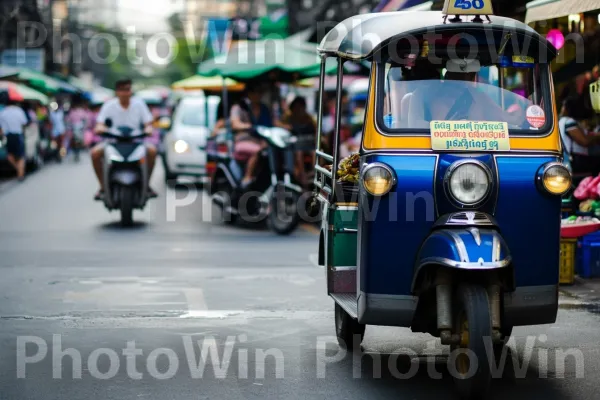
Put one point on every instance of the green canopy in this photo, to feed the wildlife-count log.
(271, 59)
(43, 82)
(24, 92)
(32, 94)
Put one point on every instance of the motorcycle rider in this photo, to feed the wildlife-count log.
(250, 112)
(124, 110)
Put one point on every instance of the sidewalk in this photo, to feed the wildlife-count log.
(587, 290)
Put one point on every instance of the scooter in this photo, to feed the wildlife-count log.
(272, 195)
(125, 171)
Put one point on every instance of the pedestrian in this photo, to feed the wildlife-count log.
(577, 141)
(12, 123)
(57, 117)
(76, 122)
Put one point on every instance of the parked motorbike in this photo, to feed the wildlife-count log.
(125, 171)
(273, 194)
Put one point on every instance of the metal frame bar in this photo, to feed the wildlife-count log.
(322, 174)
(338, 124)
(325, 156)
(320, 110)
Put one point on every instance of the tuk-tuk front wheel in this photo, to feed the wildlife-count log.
(348, 331)
(473, 323)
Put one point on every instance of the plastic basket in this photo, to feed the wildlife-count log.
(588, 256)
(567, 261)
(595, 95)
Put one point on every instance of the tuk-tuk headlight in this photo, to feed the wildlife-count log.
(378, 179)
(468, 182)
(555, 178)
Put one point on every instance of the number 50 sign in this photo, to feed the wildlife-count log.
(468, 7)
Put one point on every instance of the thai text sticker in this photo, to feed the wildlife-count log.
(469, 136)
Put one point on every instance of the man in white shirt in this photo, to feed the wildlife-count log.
(12, 122)
(124, 110)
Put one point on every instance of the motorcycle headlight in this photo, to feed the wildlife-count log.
(181, 146)
(468, 182)
(555, 178)
(378, 179)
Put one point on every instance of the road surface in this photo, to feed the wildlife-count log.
(182, 307)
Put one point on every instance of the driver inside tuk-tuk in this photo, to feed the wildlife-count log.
(461, 100)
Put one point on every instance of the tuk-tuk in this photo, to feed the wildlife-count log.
(451, 224)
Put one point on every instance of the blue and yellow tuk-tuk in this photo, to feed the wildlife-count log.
(450, 222)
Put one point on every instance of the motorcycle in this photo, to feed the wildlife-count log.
(125, 171)
(273, 195)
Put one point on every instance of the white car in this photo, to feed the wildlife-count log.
(185, 143)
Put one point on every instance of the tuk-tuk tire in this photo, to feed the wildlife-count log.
(348, 331)
(506, 332)
(472, 300)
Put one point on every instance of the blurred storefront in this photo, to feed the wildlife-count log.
(573, 27)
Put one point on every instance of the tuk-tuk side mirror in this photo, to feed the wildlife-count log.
(164, 123)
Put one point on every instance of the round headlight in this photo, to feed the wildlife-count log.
(469, 182)
(378, 179)
(181, 146)
(556, 179)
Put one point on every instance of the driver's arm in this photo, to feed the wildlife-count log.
(101, 119)
(147, 118)
(236, 120)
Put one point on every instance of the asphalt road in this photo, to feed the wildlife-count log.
(181, 307)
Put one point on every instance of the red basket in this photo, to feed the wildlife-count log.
(578, 230)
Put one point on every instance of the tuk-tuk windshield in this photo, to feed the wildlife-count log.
(414, 96)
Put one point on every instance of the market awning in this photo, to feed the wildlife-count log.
(213, 83)
(541, 10)
(400, 5)
(8, 72)
(272, 59)
(21, 92)
(427, 6)
(45, 83)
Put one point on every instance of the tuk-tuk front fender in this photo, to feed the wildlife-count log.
(462, 249)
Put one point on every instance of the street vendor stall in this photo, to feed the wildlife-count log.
(573, 27)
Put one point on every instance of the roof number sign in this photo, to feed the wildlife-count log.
(468, 7)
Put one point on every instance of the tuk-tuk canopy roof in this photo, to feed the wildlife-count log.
(361, 36)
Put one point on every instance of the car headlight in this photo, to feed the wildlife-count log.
(468, 182)
(378, 179)
(555, 178)
(181, 146)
